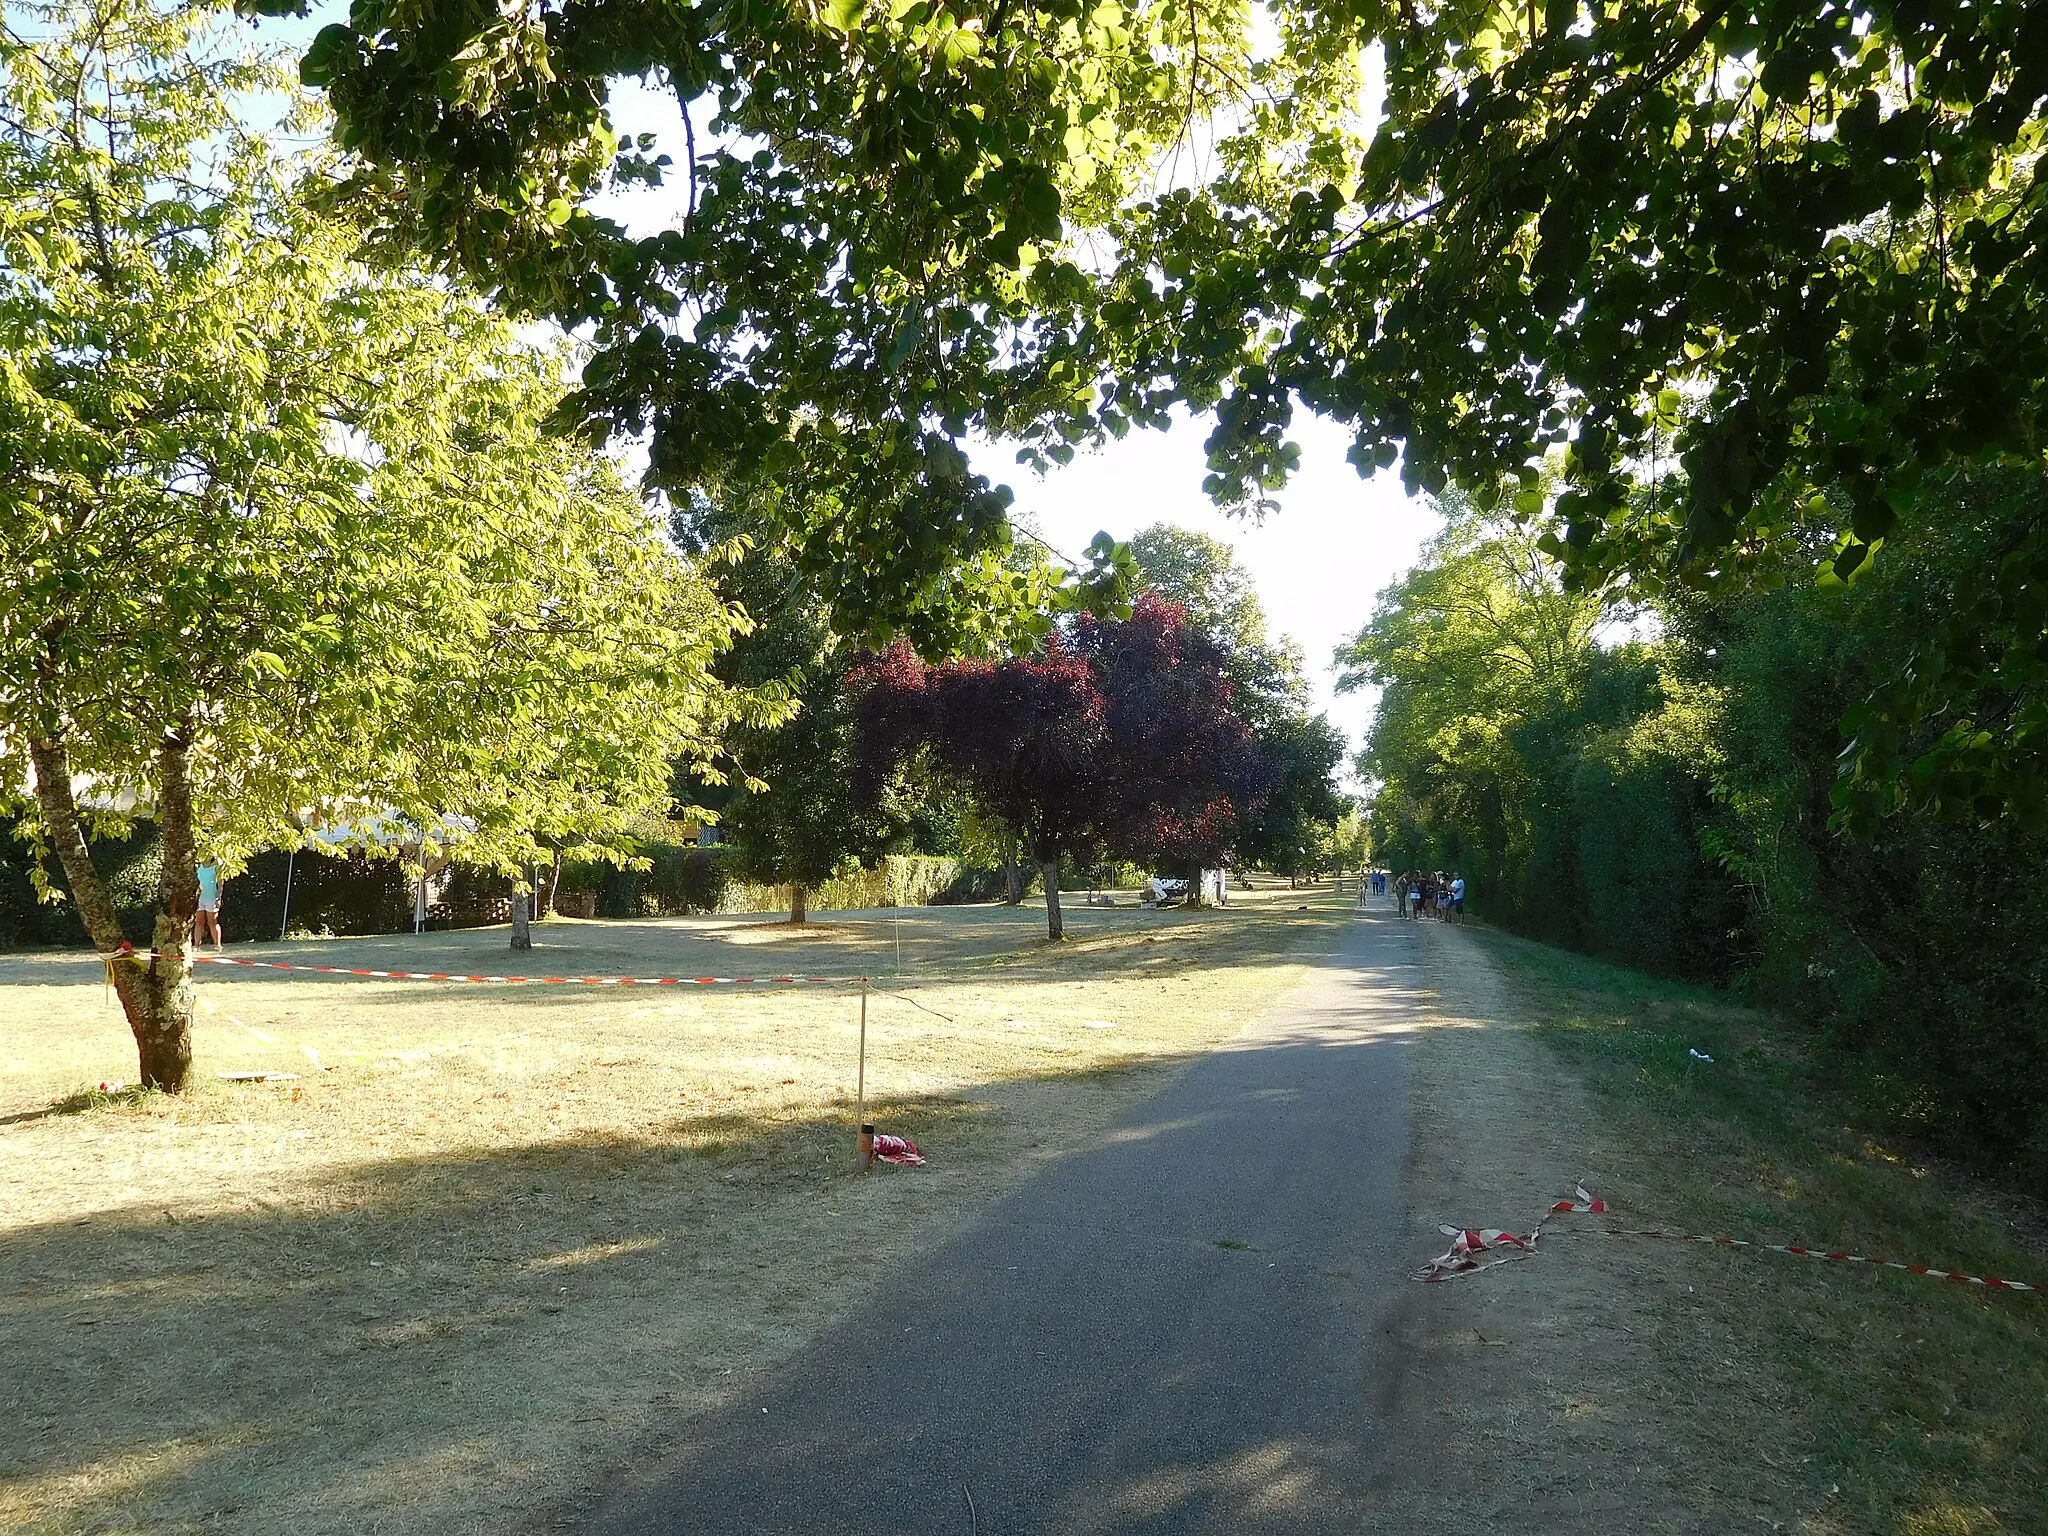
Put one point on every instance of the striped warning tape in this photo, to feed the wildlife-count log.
(142, 958)
(1796, 1251)
(1475, 1249)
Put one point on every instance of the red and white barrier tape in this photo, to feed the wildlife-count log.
(1796, 1251)
(573, 981)
(1474, 1249)
(1469, 1245)
(895, 1149)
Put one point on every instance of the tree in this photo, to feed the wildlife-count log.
(1184, 769)
(1478, 639)
(1757, 279)
(1115, 736)
(1301, 812)
(283, 536)
(1026, 734)
(857, 297)
(1752, 278)
(1351, 842)
(783, 805)
(1203, 576)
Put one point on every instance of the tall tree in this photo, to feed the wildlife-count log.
(1117, 736)
(282, 536)
(1480, 637)
(1202, 575)
(1304, 750)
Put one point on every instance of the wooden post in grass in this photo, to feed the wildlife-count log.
(864, 1139)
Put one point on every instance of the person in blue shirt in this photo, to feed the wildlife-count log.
(207, 919)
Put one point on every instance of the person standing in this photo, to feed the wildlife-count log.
(1401, 894)
(207, 919)
(1458, 897)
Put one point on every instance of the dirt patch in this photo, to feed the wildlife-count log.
(512, 1233)
(1601, 1385)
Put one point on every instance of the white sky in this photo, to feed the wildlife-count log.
(1318, 562)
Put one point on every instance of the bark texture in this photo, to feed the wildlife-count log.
(797, 910)
(522, 920)
(156, 990)
(1055, 927)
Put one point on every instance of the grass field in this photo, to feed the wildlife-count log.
(1915, 1407)
(489, 1239)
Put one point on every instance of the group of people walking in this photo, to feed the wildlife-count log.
(1440, 895)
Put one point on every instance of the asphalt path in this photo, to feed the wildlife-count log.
(1175, 1330)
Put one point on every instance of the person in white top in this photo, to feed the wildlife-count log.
(1458, 897)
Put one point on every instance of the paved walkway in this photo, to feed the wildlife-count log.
(1173, 1331)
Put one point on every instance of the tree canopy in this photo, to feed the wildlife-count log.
(1302, 749)
(1751, 280)
(284, 537)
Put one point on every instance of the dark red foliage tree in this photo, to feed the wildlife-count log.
(1118, 736)
(1185, 771)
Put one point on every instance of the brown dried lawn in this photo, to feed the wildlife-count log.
(490, 1238)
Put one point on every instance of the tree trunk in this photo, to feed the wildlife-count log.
(1055, 929)
(544, 893)
(522, 919)
(1016, 885)
(156, 997)
(797, 911)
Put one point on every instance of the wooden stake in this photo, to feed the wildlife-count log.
(864, 1139)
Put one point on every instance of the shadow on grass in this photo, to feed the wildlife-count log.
(80, 1103)
(1927, 1403)
(412, 1336)
(417, 1334)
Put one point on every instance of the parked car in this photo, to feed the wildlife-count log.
(1164, 890)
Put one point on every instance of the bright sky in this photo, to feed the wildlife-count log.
(1318, 562)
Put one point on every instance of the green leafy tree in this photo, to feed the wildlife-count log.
(1479, 637)
(282, 537)
(1758, 279)
(874, 220)
(1754, 279)
(1351, 840)
(1293, 830)
(788, 817)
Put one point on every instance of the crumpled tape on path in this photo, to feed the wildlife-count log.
(1480, 1248)
(1475, 1248)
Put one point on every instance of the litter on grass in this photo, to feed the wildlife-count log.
(896, 1149)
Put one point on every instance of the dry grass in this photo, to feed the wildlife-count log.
(500, 1235)
(1823, 1398)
